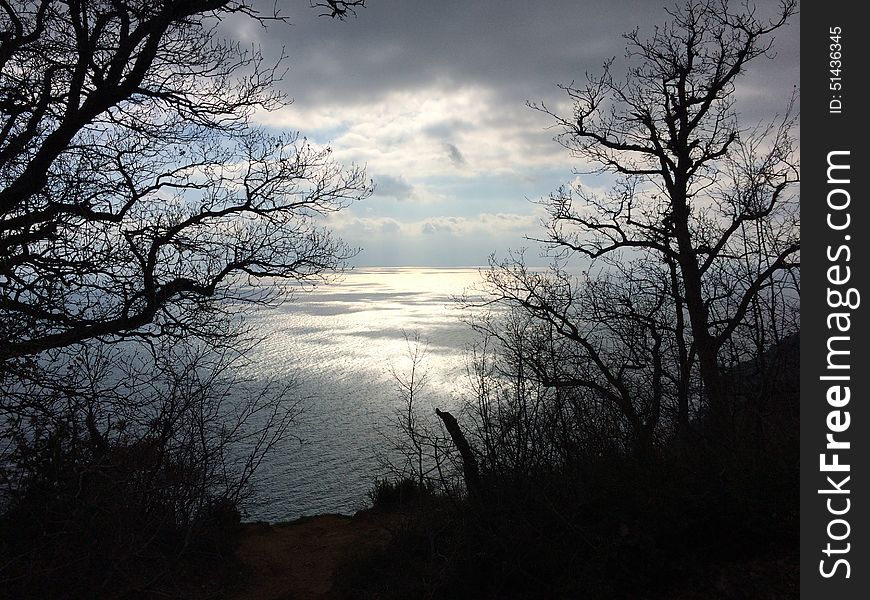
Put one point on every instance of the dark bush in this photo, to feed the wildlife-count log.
(559, 518)
(396, 494)
(114, 521)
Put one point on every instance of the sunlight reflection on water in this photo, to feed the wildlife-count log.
(340, 341)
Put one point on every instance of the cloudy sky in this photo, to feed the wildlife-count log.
(431, 97)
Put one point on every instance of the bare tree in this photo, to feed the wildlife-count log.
(711, 199)
(414, 437)
(128, 454)
(135, 194)
(421, 452)
(605, 334)
(140, 209)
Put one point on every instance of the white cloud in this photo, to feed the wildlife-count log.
(492, 225)
(437, 131)
(365, 226)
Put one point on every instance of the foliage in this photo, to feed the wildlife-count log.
(392, 495)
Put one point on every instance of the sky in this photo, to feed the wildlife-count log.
(431, 97)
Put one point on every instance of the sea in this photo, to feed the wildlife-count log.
(343, 343)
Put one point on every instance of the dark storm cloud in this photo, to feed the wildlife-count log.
(430, 96)
(520, 49)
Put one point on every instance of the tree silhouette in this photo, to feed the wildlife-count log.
(135, 194)
(140, 208)
(705, 200)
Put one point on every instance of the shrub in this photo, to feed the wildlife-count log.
(395, 494)
(123, 480)
(114, 521)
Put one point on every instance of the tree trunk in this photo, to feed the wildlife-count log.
(699, 320)
(469, 462)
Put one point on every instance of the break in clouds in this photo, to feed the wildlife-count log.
(431, 98)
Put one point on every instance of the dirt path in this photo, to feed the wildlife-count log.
(298, 560)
